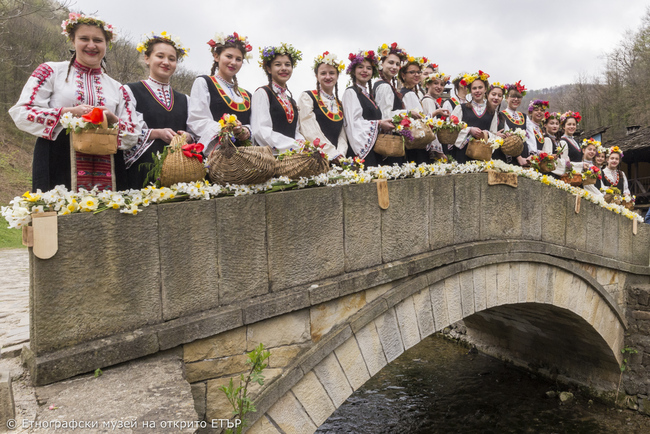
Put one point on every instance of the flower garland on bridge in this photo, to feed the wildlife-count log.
(64, 202)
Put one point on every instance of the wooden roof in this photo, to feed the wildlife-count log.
(635, 141)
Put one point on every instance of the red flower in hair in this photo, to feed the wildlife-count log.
(577, 116)
(371, 53)
(212, 43)
(235, 35)
(547, 115)
(393, 46)
(96, 116)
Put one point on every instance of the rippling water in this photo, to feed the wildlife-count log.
(437, 387)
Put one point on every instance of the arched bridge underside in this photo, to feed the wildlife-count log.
(549, 314)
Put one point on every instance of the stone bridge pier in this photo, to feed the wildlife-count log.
(337, 288)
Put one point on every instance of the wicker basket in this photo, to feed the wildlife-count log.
(608, 197)
(420, 129)
(479, 150)
(629, 205)
(589, 181)
(575, 180)
(546, 166)
(230, 164)
(302, 165)
(179, 168)
(389, 145)
(99, 141)
(447, 136)
(512, 146)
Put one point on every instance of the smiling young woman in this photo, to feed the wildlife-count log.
(75, 87)
(410, 74)
(219, 93)
(321, 112)
(274, 118)
(161, 111)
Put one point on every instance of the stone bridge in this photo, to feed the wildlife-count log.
(337, 288)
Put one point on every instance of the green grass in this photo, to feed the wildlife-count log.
(10, 238)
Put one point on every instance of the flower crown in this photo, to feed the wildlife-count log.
(74, 19)
(590, 141)
(235, 38)
(268, 53)
(553, 115)
(538, 103)
(329, 59)
(516, 86)
(358, 58)
(497, 85)
(174, 41)
(569, 114)
(422, 62)
(468, 79)
(614, 150)
(444, 78)
(433, 66)
(459, 77)
(384, 50)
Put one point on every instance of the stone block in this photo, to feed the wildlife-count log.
(405, 224)
(441, 220)
(524, 270)
(503, 283)
(439, 305)
(501, 212)
(368, 314)
(263, 426)
(389, 335)
(453, 297)
(531, 208)
(594, 224)
(576, 229)
(198, 326)
(467, 200)
(351, 360)
(320, 293)
(376, 292)
(228, 343)
(187, 235)
(562, 288)
(491, 286)
(424, 312)
(554, 212)
(331, 376)
(362, 222)
(208, 369)
(242, 250)
(288, 329)
(610, 235)
(290, 416)
(544, 284)
(405, 289)
(376, 276)
(274, 305)
(579, 297)
(284, 356)
(640, 243)
(531, 297)
(87, 293)
(327, 315)
(408, 324)
(7, 410)
(305, 236)
(513, 287)
(199, 396)
(466, 280)
(324, 348)
(626, 240)
(314, 398)
(371, 349)
(478, 276)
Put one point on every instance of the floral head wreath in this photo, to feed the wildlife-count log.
(268, 53)
(497, 85)
(358, 58)
(236, 39)
(444, 78)
(174, 41)
(588, 142)
(553, 115)
(569, 114)
(433, 66)
(538, 103)
(384, 50)
(459, 78)
(422, 62)
(468, 79)
(614, 150)
(329, 59)
(516, 86)
(74, 19)
(600, 149)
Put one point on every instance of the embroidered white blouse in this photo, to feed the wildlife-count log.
(262, 124)
(479, 109)
(531, 127)
(612, 177)
(362, 133)
(50, 88)
(310, 128)
(384, 97)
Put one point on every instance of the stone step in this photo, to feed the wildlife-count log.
(11, 351)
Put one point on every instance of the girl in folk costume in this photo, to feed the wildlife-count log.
(275, 114)
(477, 114)
(461, 93)
(429, 70)
(219, 93)
(600, 159)
(589, 147)
(612, 176)
(512, 119)
(494, 100)
(321, 111)
(385, 90)
(363, 118)
(161, 111)
(61, 90)
(431, 104)
(569, 122)
(551, 125)
(536, 110)
(409, 75)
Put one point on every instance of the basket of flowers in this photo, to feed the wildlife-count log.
(447, 129)
(91, 134)
(612, 194)
(416, 132)
(307, 160)
(481, 149)
(513, 144)
(571, 176)
(591, 175)
(353, 164)
(245, 164)
(543, 163)
(389, 145)
(629, 202)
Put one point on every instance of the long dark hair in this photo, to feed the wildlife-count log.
(219, 48)
(267, 64)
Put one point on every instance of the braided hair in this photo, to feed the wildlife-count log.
(218, 49)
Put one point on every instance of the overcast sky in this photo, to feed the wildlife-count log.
(542, 43)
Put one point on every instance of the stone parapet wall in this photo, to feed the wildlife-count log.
(121, 287)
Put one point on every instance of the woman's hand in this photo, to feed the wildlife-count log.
(110, 116)
(524, 162)
(440, 112)
(475, 132)
(386, 125)
(164, 134)
(241, 132)
(415, 114)
(78, 111)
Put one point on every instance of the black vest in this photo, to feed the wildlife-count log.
(575, 154)
(370, 110)
(472, 120)
(279, 117)
(219, 107)
(328, 125)
(154, 114)
(398, 104)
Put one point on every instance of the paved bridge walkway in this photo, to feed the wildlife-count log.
(14, 300)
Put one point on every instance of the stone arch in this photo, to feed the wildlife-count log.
(497, 285)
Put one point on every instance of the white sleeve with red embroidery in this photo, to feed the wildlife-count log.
(32, 113)
(310, 128)
(362, 133)
(262, 125)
